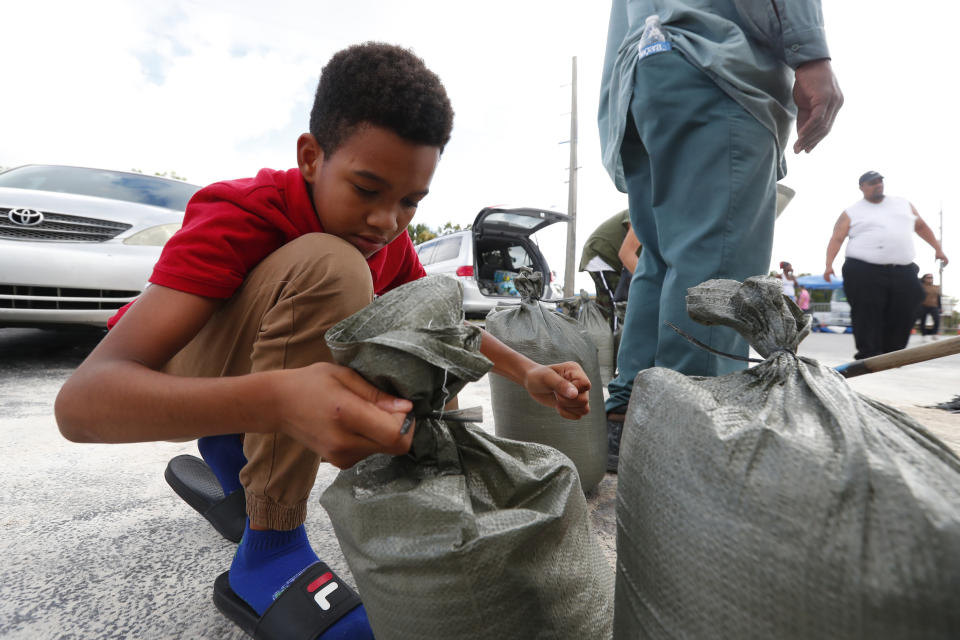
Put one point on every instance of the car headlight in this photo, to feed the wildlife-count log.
(154, 236)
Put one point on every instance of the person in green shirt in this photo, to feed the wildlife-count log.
(610, 257)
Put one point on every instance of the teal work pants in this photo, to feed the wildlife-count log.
(701, 183)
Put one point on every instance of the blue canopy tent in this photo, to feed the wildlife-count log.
(817, 282)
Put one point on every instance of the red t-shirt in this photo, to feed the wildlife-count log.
(229, 227)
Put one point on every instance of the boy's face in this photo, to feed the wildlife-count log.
(367, 191)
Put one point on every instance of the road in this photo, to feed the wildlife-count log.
(95, 544)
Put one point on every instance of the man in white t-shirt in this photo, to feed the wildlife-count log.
(879, 275)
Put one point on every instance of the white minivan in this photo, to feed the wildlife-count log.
(836, 313)
(487, 257)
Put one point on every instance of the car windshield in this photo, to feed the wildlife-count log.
(101, 183)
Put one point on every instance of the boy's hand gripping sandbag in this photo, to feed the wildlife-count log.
(547, 337)
(777, 502)
(468, 536)
(597, 327)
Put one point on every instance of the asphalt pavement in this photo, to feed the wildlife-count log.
(96, 545)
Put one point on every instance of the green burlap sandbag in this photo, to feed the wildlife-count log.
(590, 316)
(469, 536)
(777, 502)
(547, 337)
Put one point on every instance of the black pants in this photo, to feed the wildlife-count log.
(606, 283)
(611, 287)
(934, 313)
(884, 300)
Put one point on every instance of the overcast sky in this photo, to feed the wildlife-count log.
(216, 89)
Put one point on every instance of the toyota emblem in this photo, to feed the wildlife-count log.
(25, 217)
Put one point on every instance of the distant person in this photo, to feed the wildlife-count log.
(227, 343)
(610, 257)
(803, 298)
(697, 98)
(931, 306)
(879, 275)
(788, 280)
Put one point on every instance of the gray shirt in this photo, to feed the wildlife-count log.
(748, 47)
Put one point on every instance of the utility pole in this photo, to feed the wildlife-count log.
(569, 273)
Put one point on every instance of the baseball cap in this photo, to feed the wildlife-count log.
(870, 175)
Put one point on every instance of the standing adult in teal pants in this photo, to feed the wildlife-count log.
(693, 129)
(701, 220)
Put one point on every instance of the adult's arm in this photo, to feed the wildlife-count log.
(840, 231)
(924, 231)
(628, 250)
(120, 394)
(818, 98)
(564, 386)
(793, 30)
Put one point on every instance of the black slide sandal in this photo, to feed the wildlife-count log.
(316, 600)
(194, 481)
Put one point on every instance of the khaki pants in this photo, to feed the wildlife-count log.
(276, 320)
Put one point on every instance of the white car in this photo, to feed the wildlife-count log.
(486, 257)
(838, 313)
(76, 244)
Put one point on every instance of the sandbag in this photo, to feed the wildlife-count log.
(469, 536)
(777, 502)
(597, 327)
(547, 338)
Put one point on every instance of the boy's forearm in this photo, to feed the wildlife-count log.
(111, 403)
(506, 362)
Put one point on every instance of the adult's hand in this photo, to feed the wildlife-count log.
(942, 257)
(335, 412)
(818, 98)
(829, 272)
(564, 386)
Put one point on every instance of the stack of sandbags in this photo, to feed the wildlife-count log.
(547, 337)
(777, 502)
(469, 536)
(597, 327)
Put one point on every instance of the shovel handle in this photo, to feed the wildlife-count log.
(900, 358)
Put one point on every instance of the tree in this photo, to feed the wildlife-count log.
(449, 228)
(420, 233)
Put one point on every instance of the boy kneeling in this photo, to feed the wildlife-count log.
(227, 344)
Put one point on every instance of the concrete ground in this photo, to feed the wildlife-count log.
(95, 545)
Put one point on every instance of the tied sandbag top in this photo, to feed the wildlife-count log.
(816, 511)
(413, 342)
(756, 309)
(467, 536)
(529, 285)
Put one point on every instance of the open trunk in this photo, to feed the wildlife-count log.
(503, 245)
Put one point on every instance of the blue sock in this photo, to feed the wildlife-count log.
(267, 561)
(224, 455)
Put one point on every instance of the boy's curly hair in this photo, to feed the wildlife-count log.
(384, 85)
